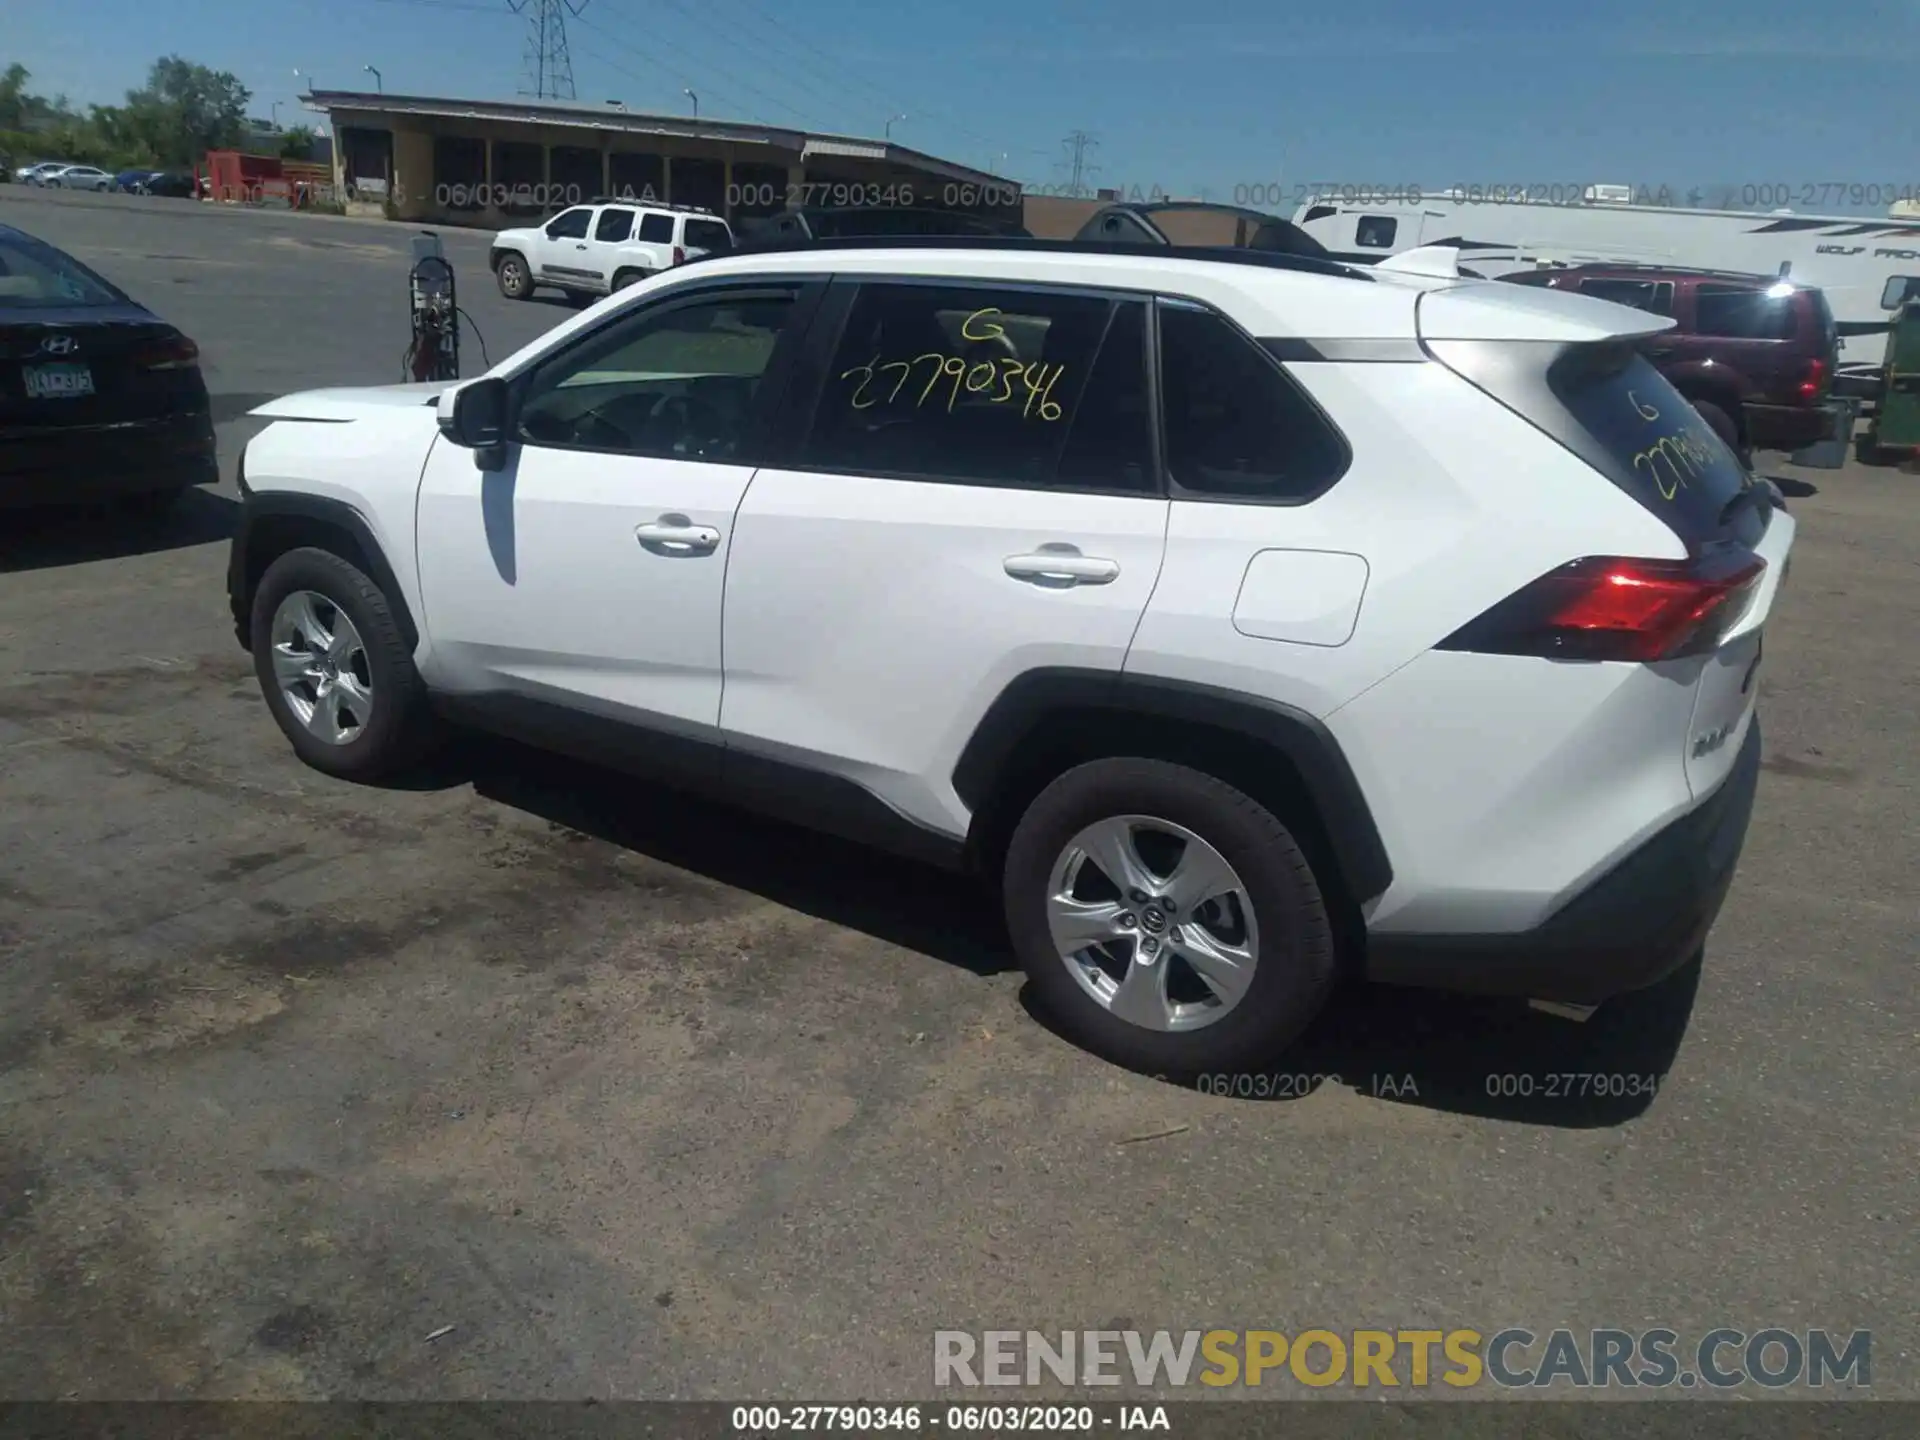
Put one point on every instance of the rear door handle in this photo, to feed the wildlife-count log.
(1062, 567)
(676, 535)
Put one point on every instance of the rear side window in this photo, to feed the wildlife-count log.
(1740, 313)
(613, 225)
(1655, 297)
(1236, 425)
(656, 229)
(709, 235)
(992, 386)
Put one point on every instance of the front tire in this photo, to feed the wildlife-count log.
(516, 281)
(1167, 921)
(336, 671)
(628, 277)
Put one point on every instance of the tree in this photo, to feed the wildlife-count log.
(185, 110)
(13, 96)
(297, 143)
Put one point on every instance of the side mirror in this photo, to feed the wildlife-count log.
(478, 421)
(1899, 289)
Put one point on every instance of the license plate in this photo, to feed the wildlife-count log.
(58, 382)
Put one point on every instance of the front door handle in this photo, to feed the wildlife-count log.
(676, 535)
(1062, 568)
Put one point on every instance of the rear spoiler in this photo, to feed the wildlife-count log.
(1523, 312)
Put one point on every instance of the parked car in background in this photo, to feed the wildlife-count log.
(597, 249)
(1756, 355)
(132, 182)
(99, 397)
(78, 177)
(35, 173)
(171, 183)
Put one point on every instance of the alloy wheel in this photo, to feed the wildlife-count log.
(1153, 923)
(322, 667)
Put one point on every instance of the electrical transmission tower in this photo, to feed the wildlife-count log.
(549, 66)
(1080, 169)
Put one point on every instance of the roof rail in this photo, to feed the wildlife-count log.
(1221, 254)
(649, 204)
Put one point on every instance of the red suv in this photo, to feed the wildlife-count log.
(1755, 354)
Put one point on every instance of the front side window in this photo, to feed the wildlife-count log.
(677, 381)
(614, 225)
(1000, 387)
(1740, 313)
(656, 229)
(570, 224)
(1237, 427)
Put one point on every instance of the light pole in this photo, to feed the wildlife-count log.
(379, 88)
(696, 102)
(276, 114)
(888, 132)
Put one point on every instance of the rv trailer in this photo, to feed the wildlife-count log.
(1850, 258)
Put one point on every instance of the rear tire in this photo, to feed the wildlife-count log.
(1722, 425)
(1262, 904)
(515, 280)
(346, 695)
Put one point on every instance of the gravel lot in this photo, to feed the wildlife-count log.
(646, 1098)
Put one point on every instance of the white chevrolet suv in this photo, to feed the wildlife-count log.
(592, 250)
(1250, 620)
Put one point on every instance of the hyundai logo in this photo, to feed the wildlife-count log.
(59, 345)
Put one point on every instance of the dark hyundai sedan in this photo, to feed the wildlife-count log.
(99, 397)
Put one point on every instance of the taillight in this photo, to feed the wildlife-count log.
(679, 255)
(1607, 608)
(1815, 381)
(176, 352)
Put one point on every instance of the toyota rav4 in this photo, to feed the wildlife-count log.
(1248, 619)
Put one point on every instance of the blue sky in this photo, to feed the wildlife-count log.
(1206, 94)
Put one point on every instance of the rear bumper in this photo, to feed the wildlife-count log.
(1787, 427)
(1631, 928)
(73, 467)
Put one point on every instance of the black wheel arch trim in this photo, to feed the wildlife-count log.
(321, 510)
(1314, 753)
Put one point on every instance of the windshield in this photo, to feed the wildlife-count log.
(38, 275)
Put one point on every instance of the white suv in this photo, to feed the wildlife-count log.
(597, 249)
(1251, 620)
